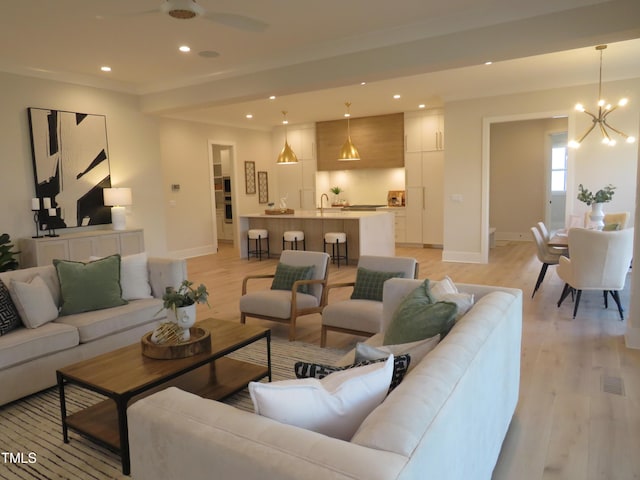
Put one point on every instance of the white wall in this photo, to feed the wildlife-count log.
(592, 164)
(185, 160)
(133, 150)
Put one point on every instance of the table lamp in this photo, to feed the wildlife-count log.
(117, 199)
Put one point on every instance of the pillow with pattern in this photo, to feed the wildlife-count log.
(319, 371)
(9, 318)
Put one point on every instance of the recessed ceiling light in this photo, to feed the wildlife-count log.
(363, 83)
(184, 48)
(422, 105)
(105, 68)
(249, 116)
(396, 96)
(272, 97)
(488, 63)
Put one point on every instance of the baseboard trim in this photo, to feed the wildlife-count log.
(192, 252)
(462, 257)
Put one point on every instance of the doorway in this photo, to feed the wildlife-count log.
(557, 162)
(221, 161)
(511, 209)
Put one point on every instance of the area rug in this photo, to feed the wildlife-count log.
(31, 435)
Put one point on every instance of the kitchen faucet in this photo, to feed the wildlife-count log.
(321, 204)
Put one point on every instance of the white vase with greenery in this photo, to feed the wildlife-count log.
(596, 201)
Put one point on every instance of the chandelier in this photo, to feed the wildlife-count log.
(600, 120)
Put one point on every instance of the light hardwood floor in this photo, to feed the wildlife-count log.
(567, 424)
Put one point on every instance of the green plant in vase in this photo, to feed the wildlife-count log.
(7, 257)
(336, 191)
(181, 305)
(603, 195)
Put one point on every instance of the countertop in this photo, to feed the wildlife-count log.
(316, 214)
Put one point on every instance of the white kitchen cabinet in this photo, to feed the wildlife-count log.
(79, 246)
(424, 131)
(433, 198)
(424, 197)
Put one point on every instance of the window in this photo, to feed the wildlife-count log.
(558, 165)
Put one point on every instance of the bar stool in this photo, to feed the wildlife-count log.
(335, 239)
(292, 237)
(257, 234)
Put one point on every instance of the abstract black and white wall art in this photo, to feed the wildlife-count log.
(71, 165)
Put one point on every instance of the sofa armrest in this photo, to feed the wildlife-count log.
(165, 272)
(175, 434)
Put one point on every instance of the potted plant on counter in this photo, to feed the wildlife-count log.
(596, 201)
(181, 305)
(336, 191)
(7, 257)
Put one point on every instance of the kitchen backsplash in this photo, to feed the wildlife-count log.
(361, 186)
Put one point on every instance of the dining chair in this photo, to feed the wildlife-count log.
(297, 289)
(599, 261)
(621, 219)
(546, 236)
(545, 255)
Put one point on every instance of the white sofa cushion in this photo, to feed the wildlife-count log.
(274, 303)
(33, 301)
(334, 406)
(24, 344)
(105, 322)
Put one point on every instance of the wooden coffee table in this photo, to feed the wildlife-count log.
(125, 375)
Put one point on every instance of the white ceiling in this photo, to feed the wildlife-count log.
(70, 39)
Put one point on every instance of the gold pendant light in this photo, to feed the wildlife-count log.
(348, 152)
(600, 120)
(286, 157)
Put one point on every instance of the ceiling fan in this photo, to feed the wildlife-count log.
(188, 9)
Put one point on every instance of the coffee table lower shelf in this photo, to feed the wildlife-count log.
(216, 381)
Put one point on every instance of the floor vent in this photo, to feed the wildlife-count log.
(612, 384)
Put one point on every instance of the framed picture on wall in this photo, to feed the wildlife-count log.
(263, 187)
(250, 177)
(71, 165)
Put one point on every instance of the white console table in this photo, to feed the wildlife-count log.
(79, 246)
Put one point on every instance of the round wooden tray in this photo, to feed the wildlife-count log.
(200, 342)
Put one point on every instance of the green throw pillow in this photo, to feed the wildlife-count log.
(89, 286)
(611, 227)
(287, 274)
(419, 317)
(369, 284)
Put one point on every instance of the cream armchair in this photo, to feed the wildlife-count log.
(599, 261)
(287, 305)
(363, 316)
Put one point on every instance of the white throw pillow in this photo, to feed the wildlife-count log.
(334, 406)
(464, 301)
(446, 291)
(34, 301)
(134, 276)
(442, 287)
(416, 350)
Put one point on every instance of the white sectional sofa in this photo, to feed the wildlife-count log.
(446, 420)
(29, 357)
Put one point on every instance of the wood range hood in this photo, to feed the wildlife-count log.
(379, 139)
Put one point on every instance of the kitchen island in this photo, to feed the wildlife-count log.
(368, 233)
